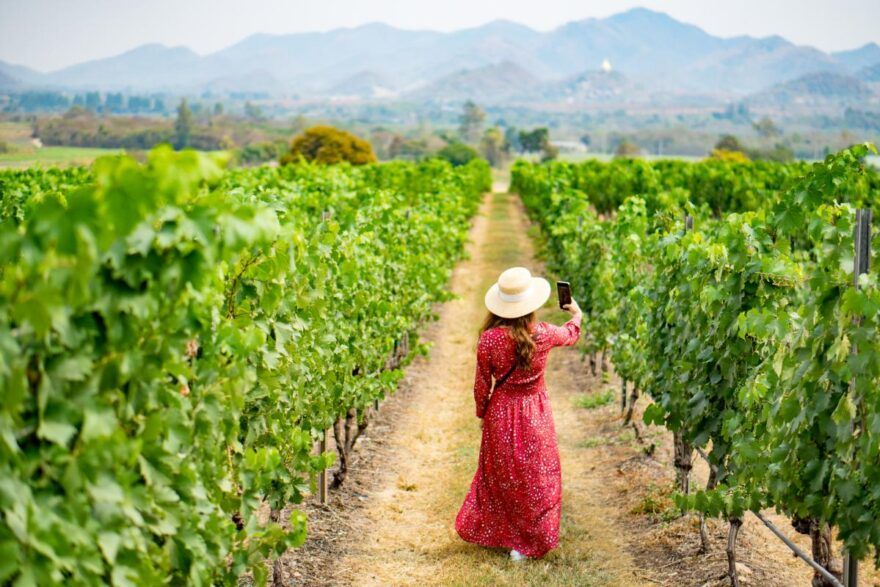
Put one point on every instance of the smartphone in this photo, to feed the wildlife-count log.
(563, 292)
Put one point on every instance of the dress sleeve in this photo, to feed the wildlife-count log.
(483, 377)
(565, 335)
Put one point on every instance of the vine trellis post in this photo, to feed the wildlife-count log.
(322, 476)
(861, 264)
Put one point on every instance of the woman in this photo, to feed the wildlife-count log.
(514, 500)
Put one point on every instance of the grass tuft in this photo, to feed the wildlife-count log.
(592, 401)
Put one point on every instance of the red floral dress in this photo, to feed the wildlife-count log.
(515, 497)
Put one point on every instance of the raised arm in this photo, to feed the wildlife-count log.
(568, 333)
(483, 377)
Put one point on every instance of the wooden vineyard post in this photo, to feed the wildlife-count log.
(322, 476)
(861, 264)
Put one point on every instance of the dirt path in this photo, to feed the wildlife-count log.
(392, 521)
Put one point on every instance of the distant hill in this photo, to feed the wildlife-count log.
(7, 82)
(870, 74)
(595, 86)
(856, 59)
(365, 85)
(19, 73)
(491, 83)
(147, 67)
(748, 65)
(817, 89)
(649, 48)
(252, 82)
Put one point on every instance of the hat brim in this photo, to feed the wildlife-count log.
(538, 296)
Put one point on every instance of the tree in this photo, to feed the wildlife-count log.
(401, 147)
(767, 128)
(183, 125)
(534, 141)
(253, 111)
(730, 143)
(93, 101)
(549, 152)
(218, 109)
(627, 149)
(471, 122)
(458, 154)
(114, 103)
(780, 153)
(492, 146)
(329, 145)
(730, 156)
(511, 139)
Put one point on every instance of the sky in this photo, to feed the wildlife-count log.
(50, 34)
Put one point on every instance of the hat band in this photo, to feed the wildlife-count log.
(515, 297)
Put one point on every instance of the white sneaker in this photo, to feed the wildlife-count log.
(517, 555)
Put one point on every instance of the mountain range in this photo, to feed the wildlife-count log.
(502, 61)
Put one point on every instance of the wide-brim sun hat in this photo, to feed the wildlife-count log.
(517, 293)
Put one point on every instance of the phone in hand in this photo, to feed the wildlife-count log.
(563, 292)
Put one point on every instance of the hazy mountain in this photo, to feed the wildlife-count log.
(870, 74)
(256, 81)
(364, 84)
(590, 87)
(334, 53)
(817, 89)
(856, 59)
(146, 67)
(7, 82)
(649, 48)
(640, 42)
(19, 73)
(748, 65)
(504, 81)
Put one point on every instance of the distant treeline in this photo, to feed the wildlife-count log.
(109, 103)
(81, 128)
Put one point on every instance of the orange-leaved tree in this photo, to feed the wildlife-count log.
(329, 145)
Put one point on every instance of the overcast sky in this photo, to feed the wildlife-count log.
(49, 34)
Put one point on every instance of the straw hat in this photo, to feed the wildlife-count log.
(517, 293)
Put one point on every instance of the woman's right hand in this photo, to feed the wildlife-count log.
(573, 308)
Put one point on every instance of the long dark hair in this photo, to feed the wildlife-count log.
(520, 331)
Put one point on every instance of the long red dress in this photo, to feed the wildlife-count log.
(515, 497)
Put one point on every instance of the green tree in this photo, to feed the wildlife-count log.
(218, 109)
(511, 139)
(253, 111)
(767, 128)
(329, 145)
(549, 152)
(183, 125)
(730, 143)
(493, 146)
(471, 122)
(93, 101)
(535, 140)
(404, 148)
(458, 154)
(780, 153)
